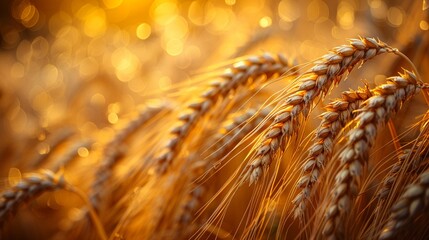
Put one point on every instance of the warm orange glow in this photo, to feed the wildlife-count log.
(76, 76)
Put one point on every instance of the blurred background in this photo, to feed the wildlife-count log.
(84, 64)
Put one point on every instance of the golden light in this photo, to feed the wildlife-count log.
(93, 19)
(17, 70)
(173, 46)
(143, 31)
(98, 99)
(164, 12)
(15, 176)
(378, 9)
(125, 63)
(230, 2)
(43, 148)
(112, 3)
(316, 10)
(83, 152)
(288, 10)
(265, 22)
(424, 25)
(345, 15)
(395, 16)
(29, 16)
(112, 118)
(199, 13)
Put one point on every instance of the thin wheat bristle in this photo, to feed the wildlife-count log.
(315, 82)
(27, 189)
(411, 204)
(224, 142)
(387, 99)
(415, 155)
(338, 113)
(250, 69)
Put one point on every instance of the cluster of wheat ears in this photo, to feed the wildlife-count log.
(242, 160)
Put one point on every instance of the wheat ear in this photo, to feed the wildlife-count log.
(387, 99)
(35, 184)
(242, 73)
(416, 154)
(411, 203)
(112, 153)
(224, 142)
(315, 82)
(27, 189)
(338, 113)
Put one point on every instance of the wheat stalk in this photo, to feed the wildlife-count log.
(387, 99)
(315, 82)
(338, 113)
(411, 203)
(240, 74)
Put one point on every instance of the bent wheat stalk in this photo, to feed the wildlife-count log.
(387, 99)
(315, 82)
(411, 203)
(338, 114)
(240, 74)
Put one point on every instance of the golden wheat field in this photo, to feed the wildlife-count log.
(214, 119)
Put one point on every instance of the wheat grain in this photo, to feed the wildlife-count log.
(338, 113)
(315, 82)
(387, 99)
(240, 74)
(411, 203)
